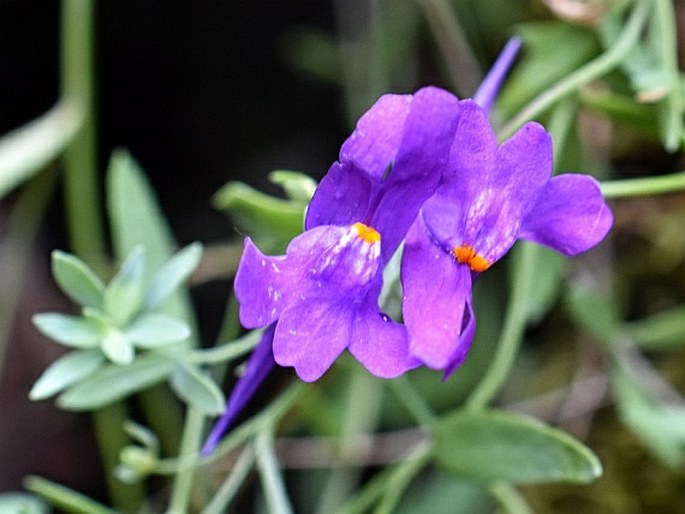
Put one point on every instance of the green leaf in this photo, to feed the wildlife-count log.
(124, 294)
(113, 382)
(77, 280)
(172, 275)
(66, 371)
(493, 445)
(137, 220)
(661, 331)
(196, 388)
(297, 186)
(154, 330)
(73, 331)
(67, 500)
(271, 222)
(117, 347)
(595, 313)
(30, 148)
(22, 503)
(660, 427)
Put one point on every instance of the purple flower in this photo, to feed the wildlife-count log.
(490, 196)
(323, 293)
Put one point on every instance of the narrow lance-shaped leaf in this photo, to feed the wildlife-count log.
(197, 389)
(124, 294)
(154, 330)
(114, 382)
(77, 280)
(68, 330)
(117, 347)
(493, 445)
(172, 275)
(66, 371)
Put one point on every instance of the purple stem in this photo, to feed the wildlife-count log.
(258, 366)
(489, 88)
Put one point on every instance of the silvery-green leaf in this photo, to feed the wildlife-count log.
(172, 274)
(114, 382)
(77, 280)
(66, 371)
(197, 389)
(124, 294)
(117, 347)
(22, 503)
(73, 331)
(154, 330)
(297, 186)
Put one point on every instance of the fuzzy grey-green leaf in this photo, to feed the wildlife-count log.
(197, 389)
(495, 446)
(172, 274)
(66, 371)
(154, 330)
(77, 280)
(68, 330)
(124, 294)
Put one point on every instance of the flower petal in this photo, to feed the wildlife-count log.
(381, 344)
(468, 330)
(418, 166)
(436, 289)
(344, 194)
(569, 216)
(258, 367)
(311, 335)
(523, 167)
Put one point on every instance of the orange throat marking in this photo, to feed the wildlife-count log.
(366, 233)
(467, 255)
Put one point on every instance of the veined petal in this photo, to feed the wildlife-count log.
(523, 167)
(418, 165)
(345, 193)
(258, 367)
(311, 335)
(380, 344)
(569, 215)
(468, 330)
(436, 289)
(324, 262)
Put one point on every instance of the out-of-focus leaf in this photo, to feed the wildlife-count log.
(314, 53)
(550, 267)
(72, 331)
(64, 498)
(142, 435)
(136, 220)
(197, 389)
(662, 331)
(542, 64)
(77, 280)
(117, 347)
(493, 445)
(298, 186)
(66, 371)
(594, 313)
(28, 149)
(172, 274)
(271, 222)
(154, 330)
(22, 503)
(124, 294)
(114, 382)
(623, 110)
(660, 427)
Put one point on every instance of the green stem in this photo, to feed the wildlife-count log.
(672, 107)
(591, 71)
(109, 423)
(16, 248)
(523, 270)
(190, 445)
(399, 481)
(226, 352)
(272, 482)
(414, 402)
(644, 186)
(219, 504)
(511, 501)
(80, 162)
(64, 498)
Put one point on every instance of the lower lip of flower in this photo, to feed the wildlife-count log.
(466, 254)
(366, 233)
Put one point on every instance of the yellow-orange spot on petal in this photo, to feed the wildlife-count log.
(466, 254)
(367, 233)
